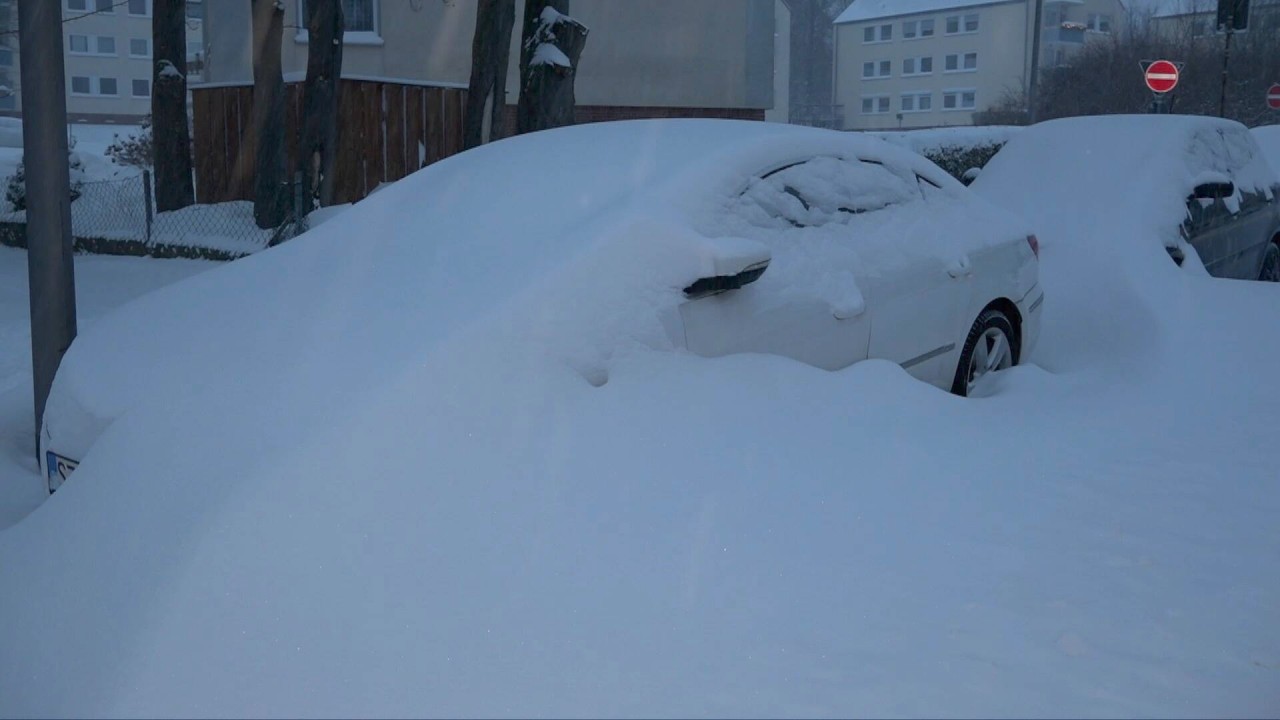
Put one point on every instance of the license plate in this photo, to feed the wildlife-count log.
(59, 469)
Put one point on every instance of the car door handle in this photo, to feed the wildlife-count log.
(960, 267)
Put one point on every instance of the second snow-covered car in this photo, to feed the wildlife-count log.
(584, 243)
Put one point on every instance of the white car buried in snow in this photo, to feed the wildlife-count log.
(585, 244)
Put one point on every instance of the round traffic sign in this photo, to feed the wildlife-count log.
(1273, 97)
(1161, 76)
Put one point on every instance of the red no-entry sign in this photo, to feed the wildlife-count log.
(1161, 76)
(1273, 97)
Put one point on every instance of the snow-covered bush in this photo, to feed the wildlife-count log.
(133, 150)
(16, 188)
(958, 160)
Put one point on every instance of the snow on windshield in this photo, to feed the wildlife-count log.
(822, 191)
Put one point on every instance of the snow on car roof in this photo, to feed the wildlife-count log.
(1131, 168)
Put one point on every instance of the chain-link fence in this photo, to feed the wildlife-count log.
(119, 217)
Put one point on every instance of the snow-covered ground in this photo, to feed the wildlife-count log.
(475, 529)
(102, 284)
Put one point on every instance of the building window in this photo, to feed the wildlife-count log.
(877, 33)
(139, 47)
(104, 6)
(79, 85)
(962, 23)
(78, 43)
(910, 29)
(359, 16)
(875, 104)
(958, 62)
(917, 66)
(959, 100)
(137, 7)
(77, 4)
(1099, 23)
(106, 45)
(107, 86)
(877, 69)
(917, 102)
(926, 28)
(142, 88)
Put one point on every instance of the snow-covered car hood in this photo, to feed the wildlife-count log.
(577, 259)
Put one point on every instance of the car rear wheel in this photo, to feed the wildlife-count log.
(1271, 264)
(990, 347)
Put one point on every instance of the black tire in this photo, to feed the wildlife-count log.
(989, 320)
(1271, 264)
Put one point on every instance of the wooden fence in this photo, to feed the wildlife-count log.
(388, 130)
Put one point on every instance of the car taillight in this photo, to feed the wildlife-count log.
(1035, 245)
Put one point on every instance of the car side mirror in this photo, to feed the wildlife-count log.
(1214, 190)
(716, 284)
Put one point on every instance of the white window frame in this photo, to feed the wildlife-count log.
(879, 32)
(877, 69)
(87, 45)
(960, 59)
(958, 94)
(145, 40)
(876, 101)
(78, 9)
(915, 29)
(350, 37)
(918, 63)
(1095, 23)
(133, 89)
(961, 22)
(916, 97)
(107, 7)
(146, 9)
(115, 94)
(98, 44)
(71, 86)
(931, 25)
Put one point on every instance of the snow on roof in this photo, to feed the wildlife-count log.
(875, 9)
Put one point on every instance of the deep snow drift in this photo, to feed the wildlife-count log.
(461, 524)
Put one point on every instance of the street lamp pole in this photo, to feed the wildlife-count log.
(44, 132)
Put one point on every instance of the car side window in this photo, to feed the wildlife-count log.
(822, 191)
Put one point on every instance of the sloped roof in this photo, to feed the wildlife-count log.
(861, 10)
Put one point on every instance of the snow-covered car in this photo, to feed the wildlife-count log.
(714, 237)
(1204, 184)
(1268, 138)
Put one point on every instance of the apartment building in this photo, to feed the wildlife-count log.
(931, 63)
(107, 57)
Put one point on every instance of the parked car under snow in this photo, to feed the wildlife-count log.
(1203, 184)
(714, 237)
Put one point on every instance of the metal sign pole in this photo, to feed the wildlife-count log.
(44, 133)
(1226, 56)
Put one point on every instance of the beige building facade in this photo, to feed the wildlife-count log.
(661, 54)
(106, 58)
(933, 63)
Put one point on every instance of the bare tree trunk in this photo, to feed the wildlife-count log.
(551, 43)
(270, 194)
(490, 51)
(318, 148)
(170, 136)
